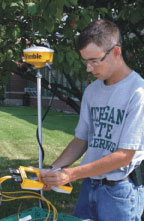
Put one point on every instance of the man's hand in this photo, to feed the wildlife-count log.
(56, 177)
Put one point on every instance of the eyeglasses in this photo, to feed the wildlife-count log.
(97, 61)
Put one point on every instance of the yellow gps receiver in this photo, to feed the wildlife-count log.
(38, 56)
(30, 180)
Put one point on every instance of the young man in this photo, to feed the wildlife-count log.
(110, 130)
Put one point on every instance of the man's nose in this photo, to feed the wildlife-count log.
(89, 68)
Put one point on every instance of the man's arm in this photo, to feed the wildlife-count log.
(73, 152)
(120, 158)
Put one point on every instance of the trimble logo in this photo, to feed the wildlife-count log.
(32, 56)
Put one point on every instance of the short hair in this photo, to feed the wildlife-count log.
(103, 33)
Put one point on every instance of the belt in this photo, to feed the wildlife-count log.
(108, 182)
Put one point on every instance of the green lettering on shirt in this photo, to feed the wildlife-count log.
(111, 116)
(120, 115)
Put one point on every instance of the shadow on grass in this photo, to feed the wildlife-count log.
(64, 203)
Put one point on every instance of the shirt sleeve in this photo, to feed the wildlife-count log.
(82, 127)
(132, 136)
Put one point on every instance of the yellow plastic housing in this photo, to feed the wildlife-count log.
(38, 56)
(63, 189)
(34, 182)
(29, 183)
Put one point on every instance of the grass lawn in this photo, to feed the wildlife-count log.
(19, 146)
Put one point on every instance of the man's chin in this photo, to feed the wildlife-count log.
(96, 75)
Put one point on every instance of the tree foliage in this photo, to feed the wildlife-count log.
(58, 22)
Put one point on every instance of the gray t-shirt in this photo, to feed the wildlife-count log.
(112, 117)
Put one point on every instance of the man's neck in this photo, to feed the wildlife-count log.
(120, 73)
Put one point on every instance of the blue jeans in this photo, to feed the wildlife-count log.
(122, 202)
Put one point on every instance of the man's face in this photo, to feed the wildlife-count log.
(100, 63)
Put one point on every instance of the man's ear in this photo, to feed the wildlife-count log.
(117, 51)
